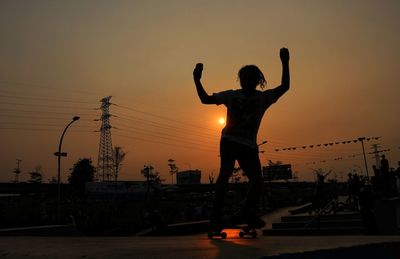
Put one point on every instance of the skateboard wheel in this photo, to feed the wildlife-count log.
(223, 235)
(241, 234)
(254, 234)
(210, 235)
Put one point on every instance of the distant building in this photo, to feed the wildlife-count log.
(277, 172)
(188, 177)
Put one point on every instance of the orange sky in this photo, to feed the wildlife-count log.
(58, 59)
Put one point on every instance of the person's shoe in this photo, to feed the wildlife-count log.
(215, 224)
(215, 228)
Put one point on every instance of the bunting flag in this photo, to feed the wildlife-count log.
(328, 144)
(349, 156)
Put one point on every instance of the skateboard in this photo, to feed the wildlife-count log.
(245, 231)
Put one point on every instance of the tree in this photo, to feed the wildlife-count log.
(173, 169)
(119, 156)
(151, 175)
(36, 175)
(153, 179)
(82, 172)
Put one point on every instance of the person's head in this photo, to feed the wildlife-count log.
(250, 76)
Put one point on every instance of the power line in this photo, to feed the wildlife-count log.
(164, 117)
(167, 143)
(40, 129)
(165, 130)
(42, 124)
(175, 139)
(36, 111)
(30, 85)
(50, 99)
(44, 105)
(38, 117)
(161, 125)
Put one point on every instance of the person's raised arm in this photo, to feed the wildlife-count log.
(285, 83)
(203, 95)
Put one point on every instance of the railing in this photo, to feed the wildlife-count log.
(321, 212)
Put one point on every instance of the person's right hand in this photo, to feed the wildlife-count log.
(198, 71)
(284, 55)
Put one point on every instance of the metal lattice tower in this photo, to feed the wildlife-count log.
(105, 161)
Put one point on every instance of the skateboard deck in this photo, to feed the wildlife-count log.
(245, 232)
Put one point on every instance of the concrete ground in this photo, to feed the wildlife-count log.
(199, 246)
(196, 246)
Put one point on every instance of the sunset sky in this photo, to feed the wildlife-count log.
(59, 58)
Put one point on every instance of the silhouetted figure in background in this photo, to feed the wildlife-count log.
(398, 168)
(384, 165)
(376, 170)
(367, 200)
(353, 191)
(386, 177)
(246, 108)
(397, 177)
(319, 197)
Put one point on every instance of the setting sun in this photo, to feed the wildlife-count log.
(221, 121)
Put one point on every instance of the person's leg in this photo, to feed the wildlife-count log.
(250, 163)
(227, 164)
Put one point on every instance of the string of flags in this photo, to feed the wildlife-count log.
(349, 156)
(329, 144)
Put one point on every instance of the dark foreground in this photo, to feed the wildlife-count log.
(199, 246)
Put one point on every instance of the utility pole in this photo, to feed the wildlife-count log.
(375, 151)
(361, 139)
(17, 171)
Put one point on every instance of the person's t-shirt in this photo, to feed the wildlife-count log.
(244, 114)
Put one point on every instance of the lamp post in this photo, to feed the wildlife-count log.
(59, 154)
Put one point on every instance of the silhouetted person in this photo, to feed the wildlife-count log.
(384, 165)
(319, 193)
(398, 168)
(376, 171)
(246, 107)
(367, 201)
(354, 191)
(386, 179)
(393, 180)
(397, 177)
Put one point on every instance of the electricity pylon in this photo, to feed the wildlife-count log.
(105, 161)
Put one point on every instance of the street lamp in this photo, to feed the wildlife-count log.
(59, 154)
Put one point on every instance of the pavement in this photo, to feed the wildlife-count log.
(199, 246)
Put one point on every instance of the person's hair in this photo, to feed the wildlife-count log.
(253, 69)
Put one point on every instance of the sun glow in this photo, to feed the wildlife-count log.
(221, 121)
